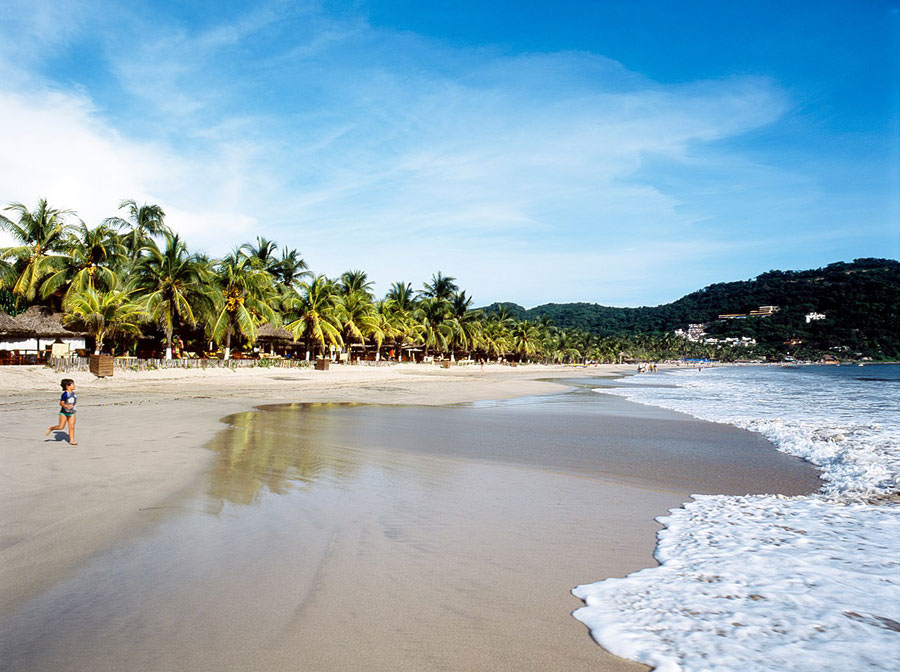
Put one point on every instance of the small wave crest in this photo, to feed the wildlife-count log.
(769, 582)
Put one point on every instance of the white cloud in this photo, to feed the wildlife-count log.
(56, 146)
(383, 152)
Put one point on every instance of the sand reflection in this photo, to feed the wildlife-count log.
(278, 449)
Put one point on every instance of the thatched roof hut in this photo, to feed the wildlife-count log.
(268, 332)
(42, 322)
(9, 326)
(269, 335)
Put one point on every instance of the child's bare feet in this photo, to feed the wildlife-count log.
(47, 433)
(73, 443)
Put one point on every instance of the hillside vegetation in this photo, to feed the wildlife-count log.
(860, 301)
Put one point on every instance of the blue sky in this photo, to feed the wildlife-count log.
(622, 153)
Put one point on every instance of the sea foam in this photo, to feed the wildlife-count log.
(768, 582)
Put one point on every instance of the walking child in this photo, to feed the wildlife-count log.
(66, 410)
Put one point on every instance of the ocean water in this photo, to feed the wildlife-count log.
(769, 582)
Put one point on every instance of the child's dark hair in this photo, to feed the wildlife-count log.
(65, 382)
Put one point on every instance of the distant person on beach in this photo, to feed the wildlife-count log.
(66, 410)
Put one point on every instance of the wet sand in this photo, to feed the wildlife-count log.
(141, 445)
(372, 537)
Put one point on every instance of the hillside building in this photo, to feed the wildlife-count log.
(762, 311)
(694, 332)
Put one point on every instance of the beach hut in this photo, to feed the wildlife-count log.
(35, 331)
(8, 325)
(11, 335)
(269, 335)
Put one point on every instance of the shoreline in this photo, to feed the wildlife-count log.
(126, 474)
(784, 562)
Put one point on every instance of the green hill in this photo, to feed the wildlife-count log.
(860, 302)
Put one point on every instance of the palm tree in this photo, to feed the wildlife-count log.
(356, 281)
(501, 315)
(7, 279)
(564, 347)
(440, 287)
(39, 233)
(388, 322)
(290, 269)
(402, 295)
(245, 300)
(525, 338)
(318, 308)
(398, 316)
(169, 281)
(262, 254)
(359, 319)
(92, 254)
(465, 324)
(432, 314)
(495, 338)
(104, 313)
(144, 222)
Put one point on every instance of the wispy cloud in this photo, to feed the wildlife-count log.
(57, 146)
(530, 177)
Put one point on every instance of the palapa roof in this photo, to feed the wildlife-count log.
(42, 322)
(9, 326)
(271, 332)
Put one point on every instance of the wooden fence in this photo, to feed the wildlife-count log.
(69, 364)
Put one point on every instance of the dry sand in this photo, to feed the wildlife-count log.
(141, 449)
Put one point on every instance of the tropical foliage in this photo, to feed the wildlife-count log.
(132, 279)
(174, 285)
(41, 237)
(105, 314)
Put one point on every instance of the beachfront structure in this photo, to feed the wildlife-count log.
(762, 311)
(694, 333)
(734, 341)
(36, 331)
(268, 336)
(765, 310)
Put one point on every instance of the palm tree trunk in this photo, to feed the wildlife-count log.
(168, 344)
(228, 344)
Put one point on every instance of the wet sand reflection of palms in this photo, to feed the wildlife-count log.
(277, 450)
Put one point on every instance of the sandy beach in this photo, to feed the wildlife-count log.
(409, 554)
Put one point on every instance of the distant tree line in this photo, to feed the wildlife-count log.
(132, 282)
(131, 279)
(860, 301)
